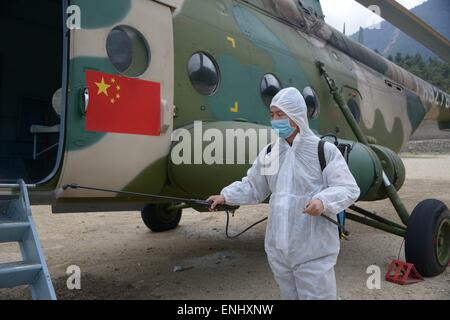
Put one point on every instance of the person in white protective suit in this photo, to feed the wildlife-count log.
(302, 247)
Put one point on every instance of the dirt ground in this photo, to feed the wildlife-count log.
(121, 259)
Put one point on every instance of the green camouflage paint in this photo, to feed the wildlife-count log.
(76, 135)
(93, 16)
(156, 172)
(416, 109)
(393, 139)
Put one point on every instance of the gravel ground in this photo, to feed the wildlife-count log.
(121, 259)
(436, 146)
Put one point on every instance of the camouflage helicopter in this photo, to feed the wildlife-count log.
(162, 65)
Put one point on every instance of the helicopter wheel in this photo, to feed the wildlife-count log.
(427, 243)
(158, 219)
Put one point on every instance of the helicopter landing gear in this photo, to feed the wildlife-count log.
(158, 218)
(427, 242)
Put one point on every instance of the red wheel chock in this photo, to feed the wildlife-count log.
(402, 272)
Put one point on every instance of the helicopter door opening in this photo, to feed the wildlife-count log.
(118, 126)
(30, 95)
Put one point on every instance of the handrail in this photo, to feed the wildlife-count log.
(15, 185)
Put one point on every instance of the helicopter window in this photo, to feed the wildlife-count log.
(204, 73)
(354, 108)
(312, 102)
(128, 51)
(270, 86)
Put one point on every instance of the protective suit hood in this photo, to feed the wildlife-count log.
(291, 102)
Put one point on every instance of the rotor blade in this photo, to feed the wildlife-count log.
(412, 25)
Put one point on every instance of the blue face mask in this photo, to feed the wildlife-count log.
(283, 127)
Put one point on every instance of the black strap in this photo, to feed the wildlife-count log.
(269, 149)
(322, 160)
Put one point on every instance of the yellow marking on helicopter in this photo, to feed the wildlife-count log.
(232, 41)
(102, 87)
(235, 108)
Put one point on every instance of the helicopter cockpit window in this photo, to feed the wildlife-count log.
(128, 51)
(312, 102)
(270, 86)
(204, 73)
(354, 108)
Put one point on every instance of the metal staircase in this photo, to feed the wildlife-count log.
(17, 225)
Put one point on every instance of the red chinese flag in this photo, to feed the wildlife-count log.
(123, 105)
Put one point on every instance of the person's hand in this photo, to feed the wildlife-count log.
(215, 201)
(314, 208)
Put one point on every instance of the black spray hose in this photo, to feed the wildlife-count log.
(242, 232)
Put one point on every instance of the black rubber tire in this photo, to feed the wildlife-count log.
(158, 219)
(421, 233)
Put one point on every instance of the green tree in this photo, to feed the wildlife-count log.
(434, 70)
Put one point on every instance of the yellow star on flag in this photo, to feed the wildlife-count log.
(102, 87)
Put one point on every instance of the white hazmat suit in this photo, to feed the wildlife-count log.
(302, 250)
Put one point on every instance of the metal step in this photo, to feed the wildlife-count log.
(18, 274)
(17, 225)
(13, 230)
